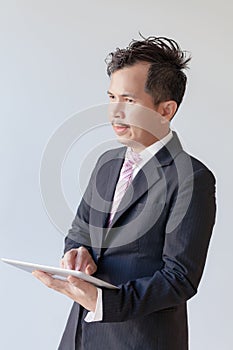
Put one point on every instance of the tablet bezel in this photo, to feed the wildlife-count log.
(58, 272)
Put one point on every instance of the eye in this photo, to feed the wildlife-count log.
(111, 97)
(129, 100)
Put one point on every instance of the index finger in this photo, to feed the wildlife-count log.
(69, 259)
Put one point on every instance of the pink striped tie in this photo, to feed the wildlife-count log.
(124, 181)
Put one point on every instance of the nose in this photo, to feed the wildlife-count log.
(116, 110)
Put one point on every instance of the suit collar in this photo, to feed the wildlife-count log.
(170, 151)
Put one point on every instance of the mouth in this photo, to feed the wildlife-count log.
(120, 129)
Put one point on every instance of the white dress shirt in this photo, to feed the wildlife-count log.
(145, 155)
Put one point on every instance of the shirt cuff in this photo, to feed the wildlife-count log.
(97, 315)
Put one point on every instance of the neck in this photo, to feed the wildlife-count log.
(138, 147)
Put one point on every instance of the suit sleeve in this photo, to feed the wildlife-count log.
(79, 235)
(184, 256)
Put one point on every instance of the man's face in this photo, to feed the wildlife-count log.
(132, 111)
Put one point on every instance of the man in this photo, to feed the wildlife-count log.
(146, 218)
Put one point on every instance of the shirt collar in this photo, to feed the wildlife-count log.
(151, 150)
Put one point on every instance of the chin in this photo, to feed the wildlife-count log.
(135, 145)
(124, 140)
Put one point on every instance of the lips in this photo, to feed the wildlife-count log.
(120, 129)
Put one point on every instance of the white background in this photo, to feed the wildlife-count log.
(52, 65)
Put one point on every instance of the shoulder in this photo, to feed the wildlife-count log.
(185, 162)
(191, 169)
(200, 168)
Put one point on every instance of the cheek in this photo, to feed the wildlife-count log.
(136, 132)
(132, 132)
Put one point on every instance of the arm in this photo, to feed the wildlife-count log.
(78, 235)
(76, 256)
(184, 256)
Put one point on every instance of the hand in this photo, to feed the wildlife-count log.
(79, 259)
(82, 292)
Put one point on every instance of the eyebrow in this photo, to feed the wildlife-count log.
(126, 94)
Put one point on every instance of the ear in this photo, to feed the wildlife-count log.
(167, 109)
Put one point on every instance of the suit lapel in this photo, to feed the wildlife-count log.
(110, 189)
(104, 181)
(148, 176)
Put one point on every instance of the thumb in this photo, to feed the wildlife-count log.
(74, 280)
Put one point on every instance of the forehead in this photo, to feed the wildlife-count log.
(129, 79)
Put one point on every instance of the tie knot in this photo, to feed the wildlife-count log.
(133, 157)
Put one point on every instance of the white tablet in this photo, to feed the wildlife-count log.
(59, 273)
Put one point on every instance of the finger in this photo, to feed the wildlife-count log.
(82, 259)
(90, 268)
(49, 281)
(69, 259)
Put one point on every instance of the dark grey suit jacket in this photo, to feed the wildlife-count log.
(155, 250)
